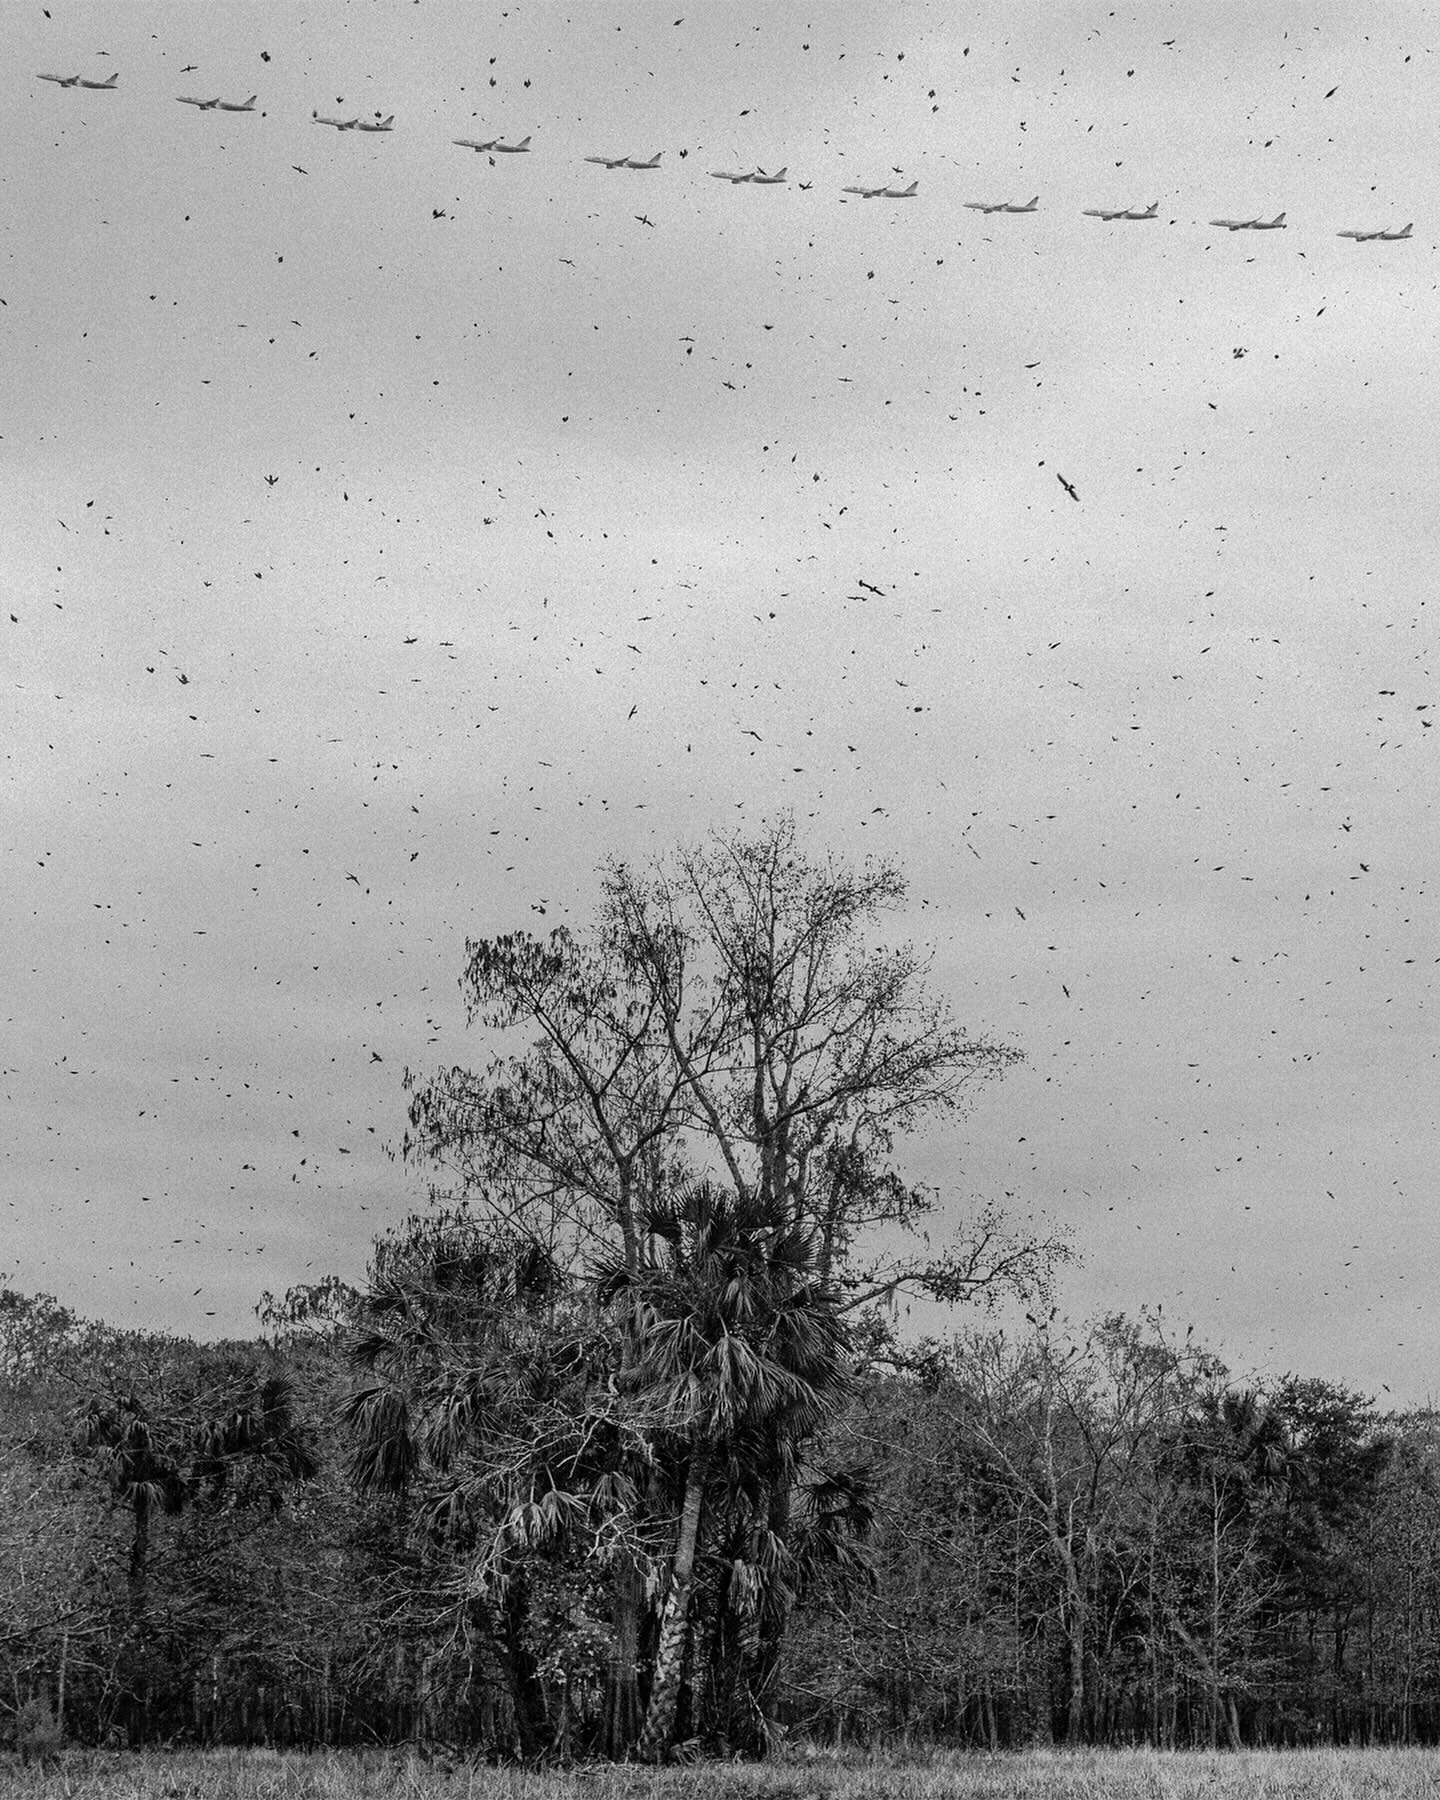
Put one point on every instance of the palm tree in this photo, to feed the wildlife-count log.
(477, 1373)
(144, 1474)
(738, 1348)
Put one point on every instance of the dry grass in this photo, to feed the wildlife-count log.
(1035, 1775)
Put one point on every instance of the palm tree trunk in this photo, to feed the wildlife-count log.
(621, 1722)
(670, 1656)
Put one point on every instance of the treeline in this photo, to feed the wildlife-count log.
(1095, 1538)
(614, 1453)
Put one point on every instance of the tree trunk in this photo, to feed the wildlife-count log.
(774, 1623)
(139, 1552)
(670, 1656)
(527, 1696)
(622, 1719)
(1075, 1705)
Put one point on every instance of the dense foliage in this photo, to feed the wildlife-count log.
(614, 1451)
(999, 1540)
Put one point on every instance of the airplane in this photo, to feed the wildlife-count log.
(204, 105)
(339, 124)
(61, 80)
(632, 162)
(1099, 212)
(894, 193)
(239, 105)
(512, 149)
(474, 143)
(1374, 237)
(1010, 206)
(101, 85)
(761, 179)
(719, 174)
(376, 124)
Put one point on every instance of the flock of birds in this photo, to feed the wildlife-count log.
(998, 626)
(884, 190)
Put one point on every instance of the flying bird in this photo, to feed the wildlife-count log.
(1068, 486)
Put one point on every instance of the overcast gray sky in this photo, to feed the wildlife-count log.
(577, 473)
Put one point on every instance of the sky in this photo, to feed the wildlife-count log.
(394, 531)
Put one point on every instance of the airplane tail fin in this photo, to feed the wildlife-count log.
(114, 79)
(1408, 229)
(524, 143)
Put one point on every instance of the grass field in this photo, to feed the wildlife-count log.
(1036, 1775)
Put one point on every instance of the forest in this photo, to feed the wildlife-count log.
(618, 1449)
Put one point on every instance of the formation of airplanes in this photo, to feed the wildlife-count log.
(1122, 212)
(1275, 224)
(756, 177)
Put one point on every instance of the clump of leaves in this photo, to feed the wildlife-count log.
(39, 1735)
